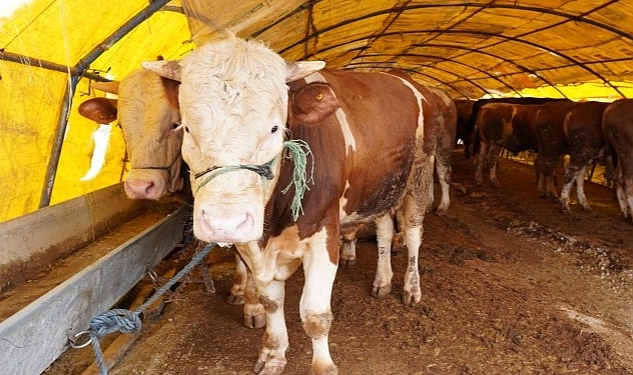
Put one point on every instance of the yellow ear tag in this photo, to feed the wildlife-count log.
(319, 96)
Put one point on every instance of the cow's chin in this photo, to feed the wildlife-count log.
(224, 226)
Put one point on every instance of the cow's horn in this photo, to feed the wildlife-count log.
(111, 87)
(165, 68)
(300, 69)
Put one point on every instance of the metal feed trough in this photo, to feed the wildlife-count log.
(64, 264)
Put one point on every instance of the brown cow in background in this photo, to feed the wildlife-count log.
(464, 109)
(617, 127)
(552, 144)
(585, 143)
(503, 125)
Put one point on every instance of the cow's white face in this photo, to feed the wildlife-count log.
(234, 104)
(148, 121)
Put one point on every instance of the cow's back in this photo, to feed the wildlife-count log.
(364, 152)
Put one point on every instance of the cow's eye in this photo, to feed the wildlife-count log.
(175, 125)
(187, 129)
(274, 129)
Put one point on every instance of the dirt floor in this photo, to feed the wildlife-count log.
(510, 286)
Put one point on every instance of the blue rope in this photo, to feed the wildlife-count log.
(127, 321)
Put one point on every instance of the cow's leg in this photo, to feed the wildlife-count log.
(444, 171)
(429, 208)
(236, 297)
(272, 355)
(620, 192)
(254, 313)
(569, 177)
(348, 250)
(479, 162)
(314, 307)
(384, 273)
(546, 186)
(493, 158)
(580, 188)
(244, 292)
(413, 218)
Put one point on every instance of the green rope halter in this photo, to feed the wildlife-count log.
(298, 151)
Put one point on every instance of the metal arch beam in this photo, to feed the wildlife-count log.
(457, 47)
(399, 10)
(444, 70)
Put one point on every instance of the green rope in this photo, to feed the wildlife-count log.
(298, 152)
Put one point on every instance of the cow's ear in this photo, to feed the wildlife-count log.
(164, 68)
(110, 87)
(300, 69)
(99, 110)
(312, 103)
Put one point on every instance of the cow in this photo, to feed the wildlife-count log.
(440, 131)
(552, 144)
(281, 166)
(503, 125)
(464, 109)
(469, 126)
(148, 123)
(148, 114)
(585, 143)
(617, 127)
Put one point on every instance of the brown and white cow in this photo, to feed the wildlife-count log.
(248, 142)
(148, 116)
(617, 126)
(503, 125)
(585, 143)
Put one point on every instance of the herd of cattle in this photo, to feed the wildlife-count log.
(586, 131)
(286, 160)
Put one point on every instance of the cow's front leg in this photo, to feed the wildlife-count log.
(316, 315)
(272, 355)
(236, 297)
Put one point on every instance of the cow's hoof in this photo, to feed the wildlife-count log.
(269, 366)
(409, 298)
(381, 291)
(441, 211)
(329, 369)
(347, 263)
(254, 316)
(235, 299)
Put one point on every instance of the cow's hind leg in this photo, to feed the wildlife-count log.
(384, 273)
(348, 250)
(580, 189)
(493, 159)
(444, 171)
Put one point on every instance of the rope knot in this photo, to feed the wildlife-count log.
(115, 320)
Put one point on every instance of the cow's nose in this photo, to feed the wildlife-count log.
(141, 189)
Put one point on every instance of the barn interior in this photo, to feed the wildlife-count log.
(57, 166)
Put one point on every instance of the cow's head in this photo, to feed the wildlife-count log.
(147, 110)
(234, 104)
